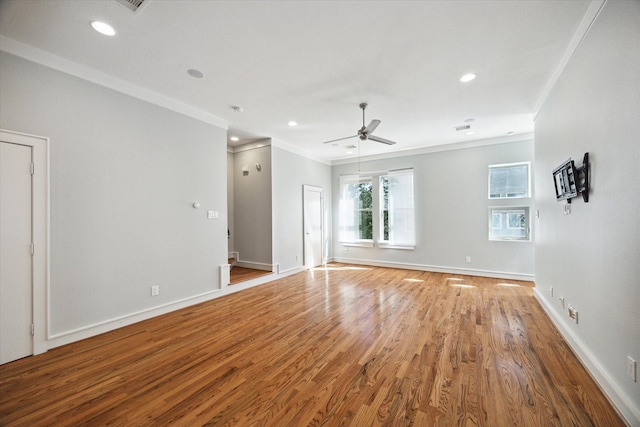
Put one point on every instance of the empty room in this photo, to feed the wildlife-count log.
(292, 213)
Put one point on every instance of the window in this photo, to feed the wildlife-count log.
(397, 214)
(390, 196)
(509, 223)
(509, 181)
(356, 209)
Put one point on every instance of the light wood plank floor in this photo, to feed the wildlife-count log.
(242, 274)
(345, 345)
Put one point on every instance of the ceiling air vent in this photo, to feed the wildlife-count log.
(132, 5)
(463, 127)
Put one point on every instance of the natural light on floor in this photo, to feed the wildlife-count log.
(508, 285)
(339, 268)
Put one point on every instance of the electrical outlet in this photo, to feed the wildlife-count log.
(561, 299)
(467, 259)
(551, 290)
(573, 313)
(631, 369)
(155, 290)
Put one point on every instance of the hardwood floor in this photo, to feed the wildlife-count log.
(345, 345)
(241, 274)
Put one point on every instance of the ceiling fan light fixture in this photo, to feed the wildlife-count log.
(364, 133)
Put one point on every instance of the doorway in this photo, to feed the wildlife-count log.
(23, 244)
(313, 222)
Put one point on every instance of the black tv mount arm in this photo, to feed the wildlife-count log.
(583, 172)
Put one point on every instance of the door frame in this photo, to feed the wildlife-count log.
(40, 225)
(322, 224)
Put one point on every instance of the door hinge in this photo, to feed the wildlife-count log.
(33, 248)
(33, 329)
(32, 169)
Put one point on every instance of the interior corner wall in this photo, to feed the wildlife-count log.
(290, 173)
(451, 207)
(124, 175)
(591, 256)
(252, 235)
(230, 210)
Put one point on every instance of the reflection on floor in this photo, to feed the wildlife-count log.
(241, 274)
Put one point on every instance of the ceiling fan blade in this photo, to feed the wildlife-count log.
(340, 139)
(378, 139)
(371, 127)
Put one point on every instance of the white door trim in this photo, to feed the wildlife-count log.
(322, 223)
(40, 206)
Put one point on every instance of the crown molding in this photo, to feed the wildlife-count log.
(55, 62)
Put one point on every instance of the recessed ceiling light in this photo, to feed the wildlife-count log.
(469, 120)
(234, 139)
(510, 132)
(292, 123)
(467, 77)
(470, 132)
(195, 73)
(103, 28)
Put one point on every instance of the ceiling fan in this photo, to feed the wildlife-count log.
(365, 132)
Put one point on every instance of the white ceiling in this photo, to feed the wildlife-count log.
(314, 61)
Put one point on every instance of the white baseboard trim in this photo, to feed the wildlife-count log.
(251, 264)
(68, 337)
(254, 265)
(438, 269)
(618, 398)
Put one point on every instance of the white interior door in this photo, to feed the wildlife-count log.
(313, 226)
(16, 268)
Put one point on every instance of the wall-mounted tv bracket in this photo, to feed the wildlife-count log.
(583, 176)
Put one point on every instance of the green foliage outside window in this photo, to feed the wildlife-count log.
(364, 195)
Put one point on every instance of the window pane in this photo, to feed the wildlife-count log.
(397, 225)
(509, 223)
(509, 181)
(356, 208)
(366, 225)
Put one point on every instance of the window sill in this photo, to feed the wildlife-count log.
(363, 244)
(384, 245)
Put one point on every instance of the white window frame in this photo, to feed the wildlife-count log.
(505, 166)
(397, 244)
(346, 211)
(509, 210)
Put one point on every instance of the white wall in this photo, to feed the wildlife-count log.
(123, 177)
(230, 210)
(591, 257)
(451, 202)
(290, 172)
(252, 206)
